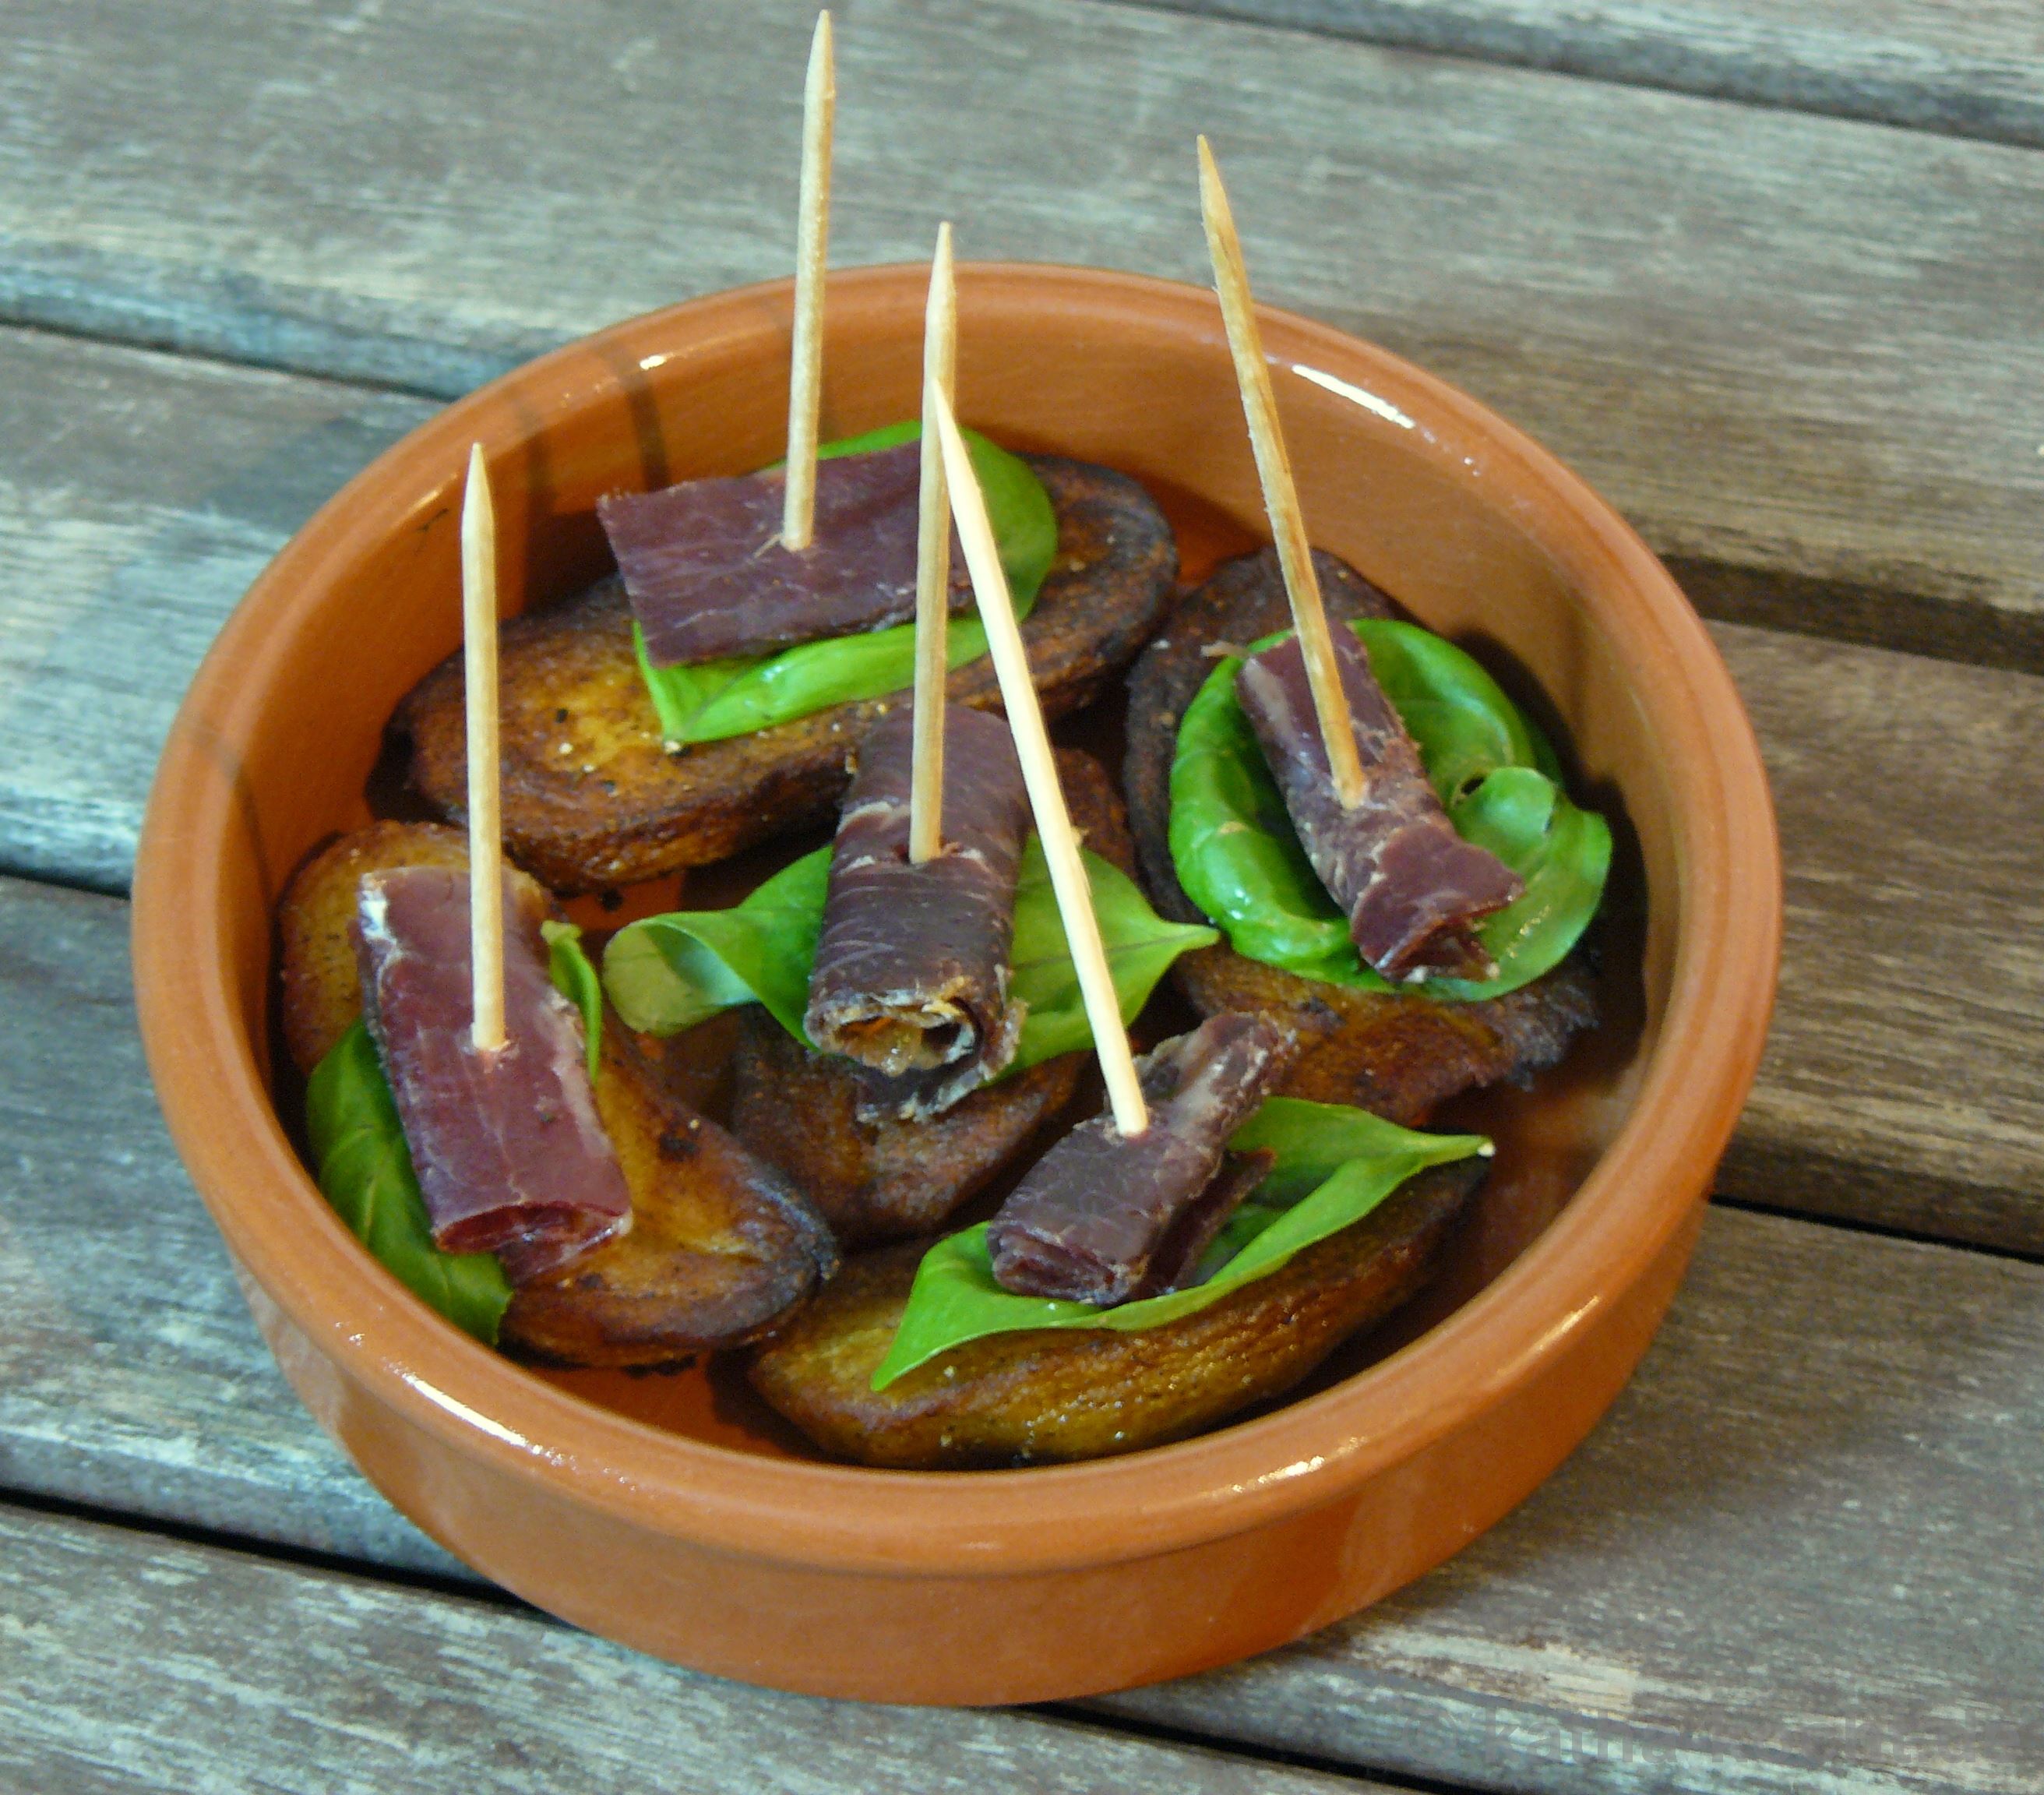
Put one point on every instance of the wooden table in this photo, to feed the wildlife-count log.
(1771, 274)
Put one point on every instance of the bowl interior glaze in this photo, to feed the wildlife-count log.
(1479, 532)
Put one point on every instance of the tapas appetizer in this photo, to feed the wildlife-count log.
(1192, 1250)
(513, 1160)
(1381, 837)
(922, 991)
(651, 723)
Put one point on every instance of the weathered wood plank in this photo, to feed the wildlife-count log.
(138, 494)
(114, 1282)
(1900, 1084)
(1972, 72)
(1807, 1550)
(1804, 1554)
(1783, 343)
(146, 1663)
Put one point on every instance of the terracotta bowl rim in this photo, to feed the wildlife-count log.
(215, 1096)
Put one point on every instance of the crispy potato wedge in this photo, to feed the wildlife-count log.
(888, 1180)
(1396, 1054)
(720, 1245)
(1052, 1396)
(591, 800)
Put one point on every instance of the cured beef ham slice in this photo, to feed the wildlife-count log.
(707, 576)
(511, 1157)
(1413, 888)
(1087, 1222)
(911, 968)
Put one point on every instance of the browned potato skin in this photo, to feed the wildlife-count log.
(1050, 1396)
(720, 1245)
(322, 987)
(888, 1180)
(617, 807)
(1396, 1055)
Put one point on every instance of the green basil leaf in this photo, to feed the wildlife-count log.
(1335, 1165)
(1240, 860)
(365, 1169)
(568, 966)
(713, 699)
(667, 973)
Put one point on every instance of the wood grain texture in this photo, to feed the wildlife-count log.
(1803, 1556)
(1805, 1551)
(139, 496)
(149, 1664)
(1784, 344)
(1900, 1082)
(1972, 71)
(111, 1278)
(139, 492)
(1769, 338)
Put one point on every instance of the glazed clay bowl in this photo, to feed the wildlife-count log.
(663, 1513)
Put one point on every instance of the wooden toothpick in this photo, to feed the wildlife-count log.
(478, 639)
(1281, 495)
(798, 509)
(1039, 774)
(933, 567)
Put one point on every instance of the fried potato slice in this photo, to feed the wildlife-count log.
(887, 1180)
(720, 1245)
(1048, 1395)
(591, 799)
(1394, 1053)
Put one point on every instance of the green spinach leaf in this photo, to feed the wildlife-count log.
(669, 972)
(365, 1169)
(1335, 1165)
(711, 700)
(568, 966)
(1240, 860)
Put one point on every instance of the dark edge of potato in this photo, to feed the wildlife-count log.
(887, 1180)
(591, 800)
(1048, 1396)
(1395, 1054)
(720, 1244)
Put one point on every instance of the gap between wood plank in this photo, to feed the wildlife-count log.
(1849, 1224)
(1803, 1371)
(158, 1664)
(1785, 346)
(1942, 625)
(479, 1591)
(145, 491)
(1741, 61)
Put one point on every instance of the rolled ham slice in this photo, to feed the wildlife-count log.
(1095, 1212)
(707, 576)
(912, 967)
(511, 1156)
(1413, 889)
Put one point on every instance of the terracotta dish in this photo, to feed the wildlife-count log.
(671, 1513)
